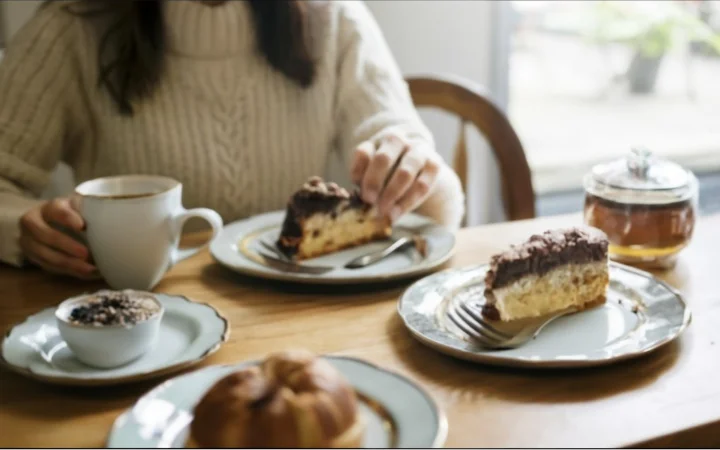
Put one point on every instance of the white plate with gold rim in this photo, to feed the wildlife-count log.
(398, 413)
(641, 314)
(189, 332)
(238, 244)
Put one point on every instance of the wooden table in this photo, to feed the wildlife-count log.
(669, 398)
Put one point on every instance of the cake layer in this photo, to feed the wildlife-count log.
(533, 295)
(323, 233)
(322, 218)
(545, 252)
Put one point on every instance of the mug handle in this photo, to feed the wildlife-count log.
(213, 218)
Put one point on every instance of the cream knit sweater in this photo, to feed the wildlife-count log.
(240, 136)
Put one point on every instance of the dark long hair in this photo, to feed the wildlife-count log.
(133, 43)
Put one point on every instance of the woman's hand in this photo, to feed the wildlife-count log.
(50, 248)
(394, 175)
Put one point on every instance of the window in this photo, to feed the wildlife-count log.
(590, 80)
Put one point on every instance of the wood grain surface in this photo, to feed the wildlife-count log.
(668, 398)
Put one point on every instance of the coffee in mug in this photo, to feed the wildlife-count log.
(133, 227)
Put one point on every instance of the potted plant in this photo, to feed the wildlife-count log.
(652, 29)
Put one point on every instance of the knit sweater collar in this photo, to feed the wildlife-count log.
(203, 31)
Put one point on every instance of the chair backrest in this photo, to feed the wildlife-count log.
(470, 102)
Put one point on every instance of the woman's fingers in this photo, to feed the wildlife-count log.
(62, 271)
(417, 193)
(36, 226)
(401, 179)
(61, 212)
(390, 150)
(55, 261)
(414, 161)
(396, 177)
(361, 160)
(51, 249)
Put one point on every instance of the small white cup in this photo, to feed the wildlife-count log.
(107, 346)
(133, 227)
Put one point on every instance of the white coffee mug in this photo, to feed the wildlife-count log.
(133, 227)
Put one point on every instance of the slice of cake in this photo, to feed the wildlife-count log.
(550, 272)
(323, 218)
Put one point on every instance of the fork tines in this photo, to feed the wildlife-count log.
(273, 249)
(471, 322)
(287, 266)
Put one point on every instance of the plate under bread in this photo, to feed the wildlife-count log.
(397, 412)
(189, 332)
(641, 314)
(238, 248)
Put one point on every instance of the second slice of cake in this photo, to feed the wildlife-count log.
(323, 218)
(550, 272)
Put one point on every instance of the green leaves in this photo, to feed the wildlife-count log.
(652, 27)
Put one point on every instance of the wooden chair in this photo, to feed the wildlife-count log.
(470, 102)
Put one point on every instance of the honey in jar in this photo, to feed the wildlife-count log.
(647, 207)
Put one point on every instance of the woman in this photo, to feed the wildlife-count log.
(240, 101)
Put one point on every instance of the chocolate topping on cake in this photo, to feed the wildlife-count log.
(315, 196)
(318, 196)
(490, 311)
(316, 188)
(546, 251)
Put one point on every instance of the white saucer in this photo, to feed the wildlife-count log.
(189, 332)
(398, 413)
(236, 248)
(640, 315)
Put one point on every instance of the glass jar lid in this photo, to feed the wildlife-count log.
(640, 177)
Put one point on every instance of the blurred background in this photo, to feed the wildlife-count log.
(590, 79)
(581, 81)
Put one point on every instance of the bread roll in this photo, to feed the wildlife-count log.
(293, 399)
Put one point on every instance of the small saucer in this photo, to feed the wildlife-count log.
(189, 332)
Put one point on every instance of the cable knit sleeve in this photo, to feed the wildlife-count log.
(373, 100)
(36, 79)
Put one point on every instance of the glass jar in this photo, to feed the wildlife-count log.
(647, 207)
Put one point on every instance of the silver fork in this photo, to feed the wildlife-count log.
(472, 323)
(280, 261)
(274, 250)
(291, 266)
(376, 256)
